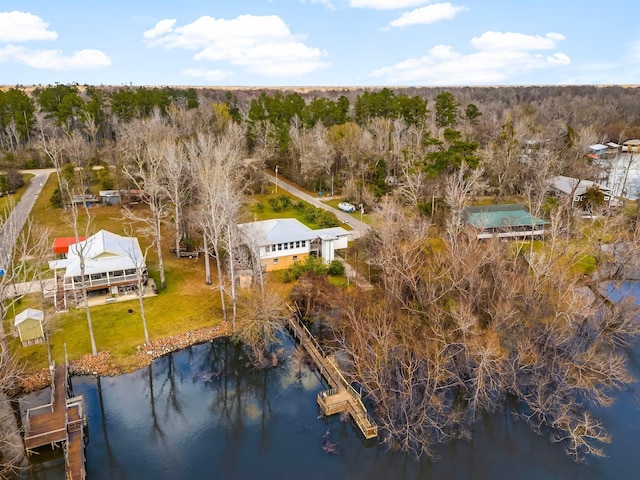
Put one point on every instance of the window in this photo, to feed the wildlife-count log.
(291, 245)
(275, 261)
(295, 258)
(298, 244)
(273, 248)
(279, 246)
(286, 246)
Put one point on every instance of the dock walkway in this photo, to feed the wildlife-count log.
(60, 422)
(341, 397)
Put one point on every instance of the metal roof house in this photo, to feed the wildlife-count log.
(28, 323)
(281, 242)
(504, 221)
(111, 263)
(572, 186)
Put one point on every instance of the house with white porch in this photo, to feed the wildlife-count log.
(576, 188)
(112, 266)
(283, 241)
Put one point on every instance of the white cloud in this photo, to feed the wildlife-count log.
(386, 4)
(444, 66)
(429, 14)
(259, 44)
(208, 75)
(498, 41)
(55, 59)
(162, 27)
(21, 27)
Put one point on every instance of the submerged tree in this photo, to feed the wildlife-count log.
(461, 325)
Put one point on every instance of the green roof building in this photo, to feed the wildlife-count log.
(504, 221)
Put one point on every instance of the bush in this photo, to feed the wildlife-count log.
(260, 207)
(335, 268)
(56, 199)
(276, 204)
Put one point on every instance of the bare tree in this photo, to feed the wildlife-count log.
(146, 172)
(73, 187)
(217, 168)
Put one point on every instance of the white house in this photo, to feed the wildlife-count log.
(281, 242)
(572, 186)
(111, 264)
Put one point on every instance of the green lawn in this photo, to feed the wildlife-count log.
(186, 304)
(259, 208)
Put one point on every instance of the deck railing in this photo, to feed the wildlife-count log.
(70, 284)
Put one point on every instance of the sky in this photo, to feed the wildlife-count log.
(319, 42)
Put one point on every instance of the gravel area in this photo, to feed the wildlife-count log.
(102, 364)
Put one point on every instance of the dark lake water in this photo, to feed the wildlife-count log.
(204, 413)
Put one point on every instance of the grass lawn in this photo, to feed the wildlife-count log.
(259, 208)
(186, 304)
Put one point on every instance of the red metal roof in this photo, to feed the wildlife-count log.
(61, 245)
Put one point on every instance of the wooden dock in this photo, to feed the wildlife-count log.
(60, 422)
(341, 397)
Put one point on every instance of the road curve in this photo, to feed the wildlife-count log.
(359, 228)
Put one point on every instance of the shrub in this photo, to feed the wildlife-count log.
(276, 204)
(335, 268)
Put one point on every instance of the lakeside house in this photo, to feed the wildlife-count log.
(281, 242)
(112, 264)
(504, 221)
(576, 188)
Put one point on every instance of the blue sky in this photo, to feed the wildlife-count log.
(319, 42)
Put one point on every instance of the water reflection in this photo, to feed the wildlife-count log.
(206, 413)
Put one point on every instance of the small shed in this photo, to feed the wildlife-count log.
(29, 325)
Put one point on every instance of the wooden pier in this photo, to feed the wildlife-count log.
(341, 397)
(60, 422)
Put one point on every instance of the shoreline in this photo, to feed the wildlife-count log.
(102, 365)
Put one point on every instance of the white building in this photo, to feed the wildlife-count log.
(281, 242)
(111, 264)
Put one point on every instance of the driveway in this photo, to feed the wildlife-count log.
(359, 228)
(17, 218)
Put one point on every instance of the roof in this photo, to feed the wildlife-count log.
(495, 216)
(633, 143)
(598, 147)
(331, 232)
(570, 185)
(282, 230)
(104, 252)
(61, 245)
(29, 314)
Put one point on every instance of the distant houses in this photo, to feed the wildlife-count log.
(281, 242)
(504, 221)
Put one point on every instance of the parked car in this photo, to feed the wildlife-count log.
(347, 207)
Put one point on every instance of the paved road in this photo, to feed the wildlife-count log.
(359, 228)
(17, 218)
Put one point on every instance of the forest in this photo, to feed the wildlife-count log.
(455, 326)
